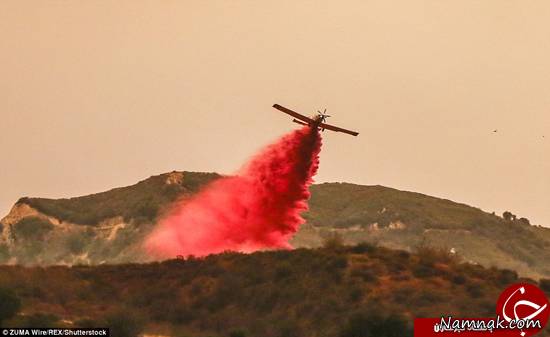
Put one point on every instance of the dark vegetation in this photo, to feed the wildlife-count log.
(339, 291)
(10, 304)
(32, 228)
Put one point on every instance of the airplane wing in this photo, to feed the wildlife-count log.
(299, 122)
(337, 129)
(293, 113)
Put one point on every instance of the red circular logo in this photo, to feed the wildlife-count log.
(525, 302)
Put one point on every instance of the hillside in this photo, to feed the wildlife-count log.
(329, 292)
(405, 220)
(141, 202)
(108, 227)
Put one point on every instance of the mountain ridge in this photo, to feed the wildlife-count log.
(108, 227)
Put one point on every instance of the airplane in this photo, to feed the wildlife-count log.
(315, 121)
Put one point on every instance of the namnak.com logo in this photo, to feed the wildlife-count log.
(522, 311)
(521, 304)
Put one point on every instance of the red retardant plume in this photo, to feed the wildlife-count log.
(259, 208)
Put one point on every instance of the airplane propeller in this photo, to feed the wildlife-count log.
(323, 114)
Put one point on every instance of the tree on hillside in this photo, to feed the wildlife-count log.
(9, 304)
(509, 216)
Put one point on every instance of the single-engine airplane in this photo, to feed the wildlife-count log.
(316, 121)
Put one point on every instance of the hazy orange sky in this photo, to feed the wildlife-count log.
(100, 94)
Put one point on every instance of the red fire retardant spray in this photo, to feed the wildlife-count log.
(258, 208)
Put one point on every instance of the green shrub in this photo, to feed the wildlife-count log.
(86, 323)
(430, 255)
(355, 294)
(374, 325)
(42, 320)
(423, 270)
(76, 242)
(506, 276)
(283, 271)
(32, 228)
(363, 247)
(426, 298)
(338, 262)
(4, 253)
(289, 329)
(458, 279)
(237, 333)
(10, 304)
(124, 324)
(364, 273)
(475, 289)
